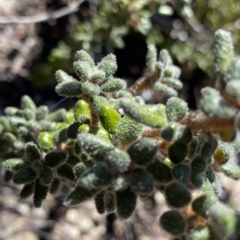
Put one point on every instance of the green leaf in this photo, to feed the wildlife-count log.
(128, 130)
(109, 118)
(113, 85)
(83, 69)
(141, 182)
(94, 146)
(84, 56)
(143, 151)
(177, 195)
(24, 175)
(108, 65)
(96, 177)
(126, 202)
(151, 115)
(177, 152)
(32, 151)
(91, 88)
(14, 164)
(172, 222)
(176, 109)
(40, 193)
(79, 195)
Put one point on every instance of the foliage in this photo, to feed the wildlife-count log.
(112, 144)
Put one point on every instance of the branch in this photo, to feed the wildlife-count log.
(71, 8)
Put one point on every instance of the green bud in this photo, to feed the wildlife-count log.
(151, 115)
(128, 130)
(62, 76)
(165, 90)
(72, 130)
(71, 88)
(126, 202)
(113, 85)
(45, 140)
(176, 109)
(172, 222)
(14, 164)
(202, 204)
(143, 151)
(223, 153)
(177, 195)
(165, 58)
(94, 146)
(32, 151)
(65, 171)
(91, 88)
(177, 152)
(46, 176)
(109, 118)
(231, 170)
(198, 165)
(108, 65)
(79, 195)
(27, 191)
(81, 108)
(223, 50)
(141, 182)
(54, 186)
(160, 171)
(41, 112)
(24, 175)
(57, 116)
(209, 147)
(27, 103)
(79, 169)
(151, 57)
(172, 82)
(40, 193)
(99, 101)
(99, 202)
(98, 76)
(82, 69)
(96, 177)
(199, 234)
(181, 172)
(117, 160)
(84, 56)
(60, 136)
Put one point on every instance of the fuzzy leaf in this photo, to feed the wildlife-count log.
(79, 195)
(113, 85)
(24, 175)
(94, 146)
(109, 118)
(126, 205)
(151, 115)
(143, 151)
(84, 56)
(96, 177)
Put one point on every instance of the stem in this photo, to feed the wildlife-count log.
(141, 84)
(199, 121)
